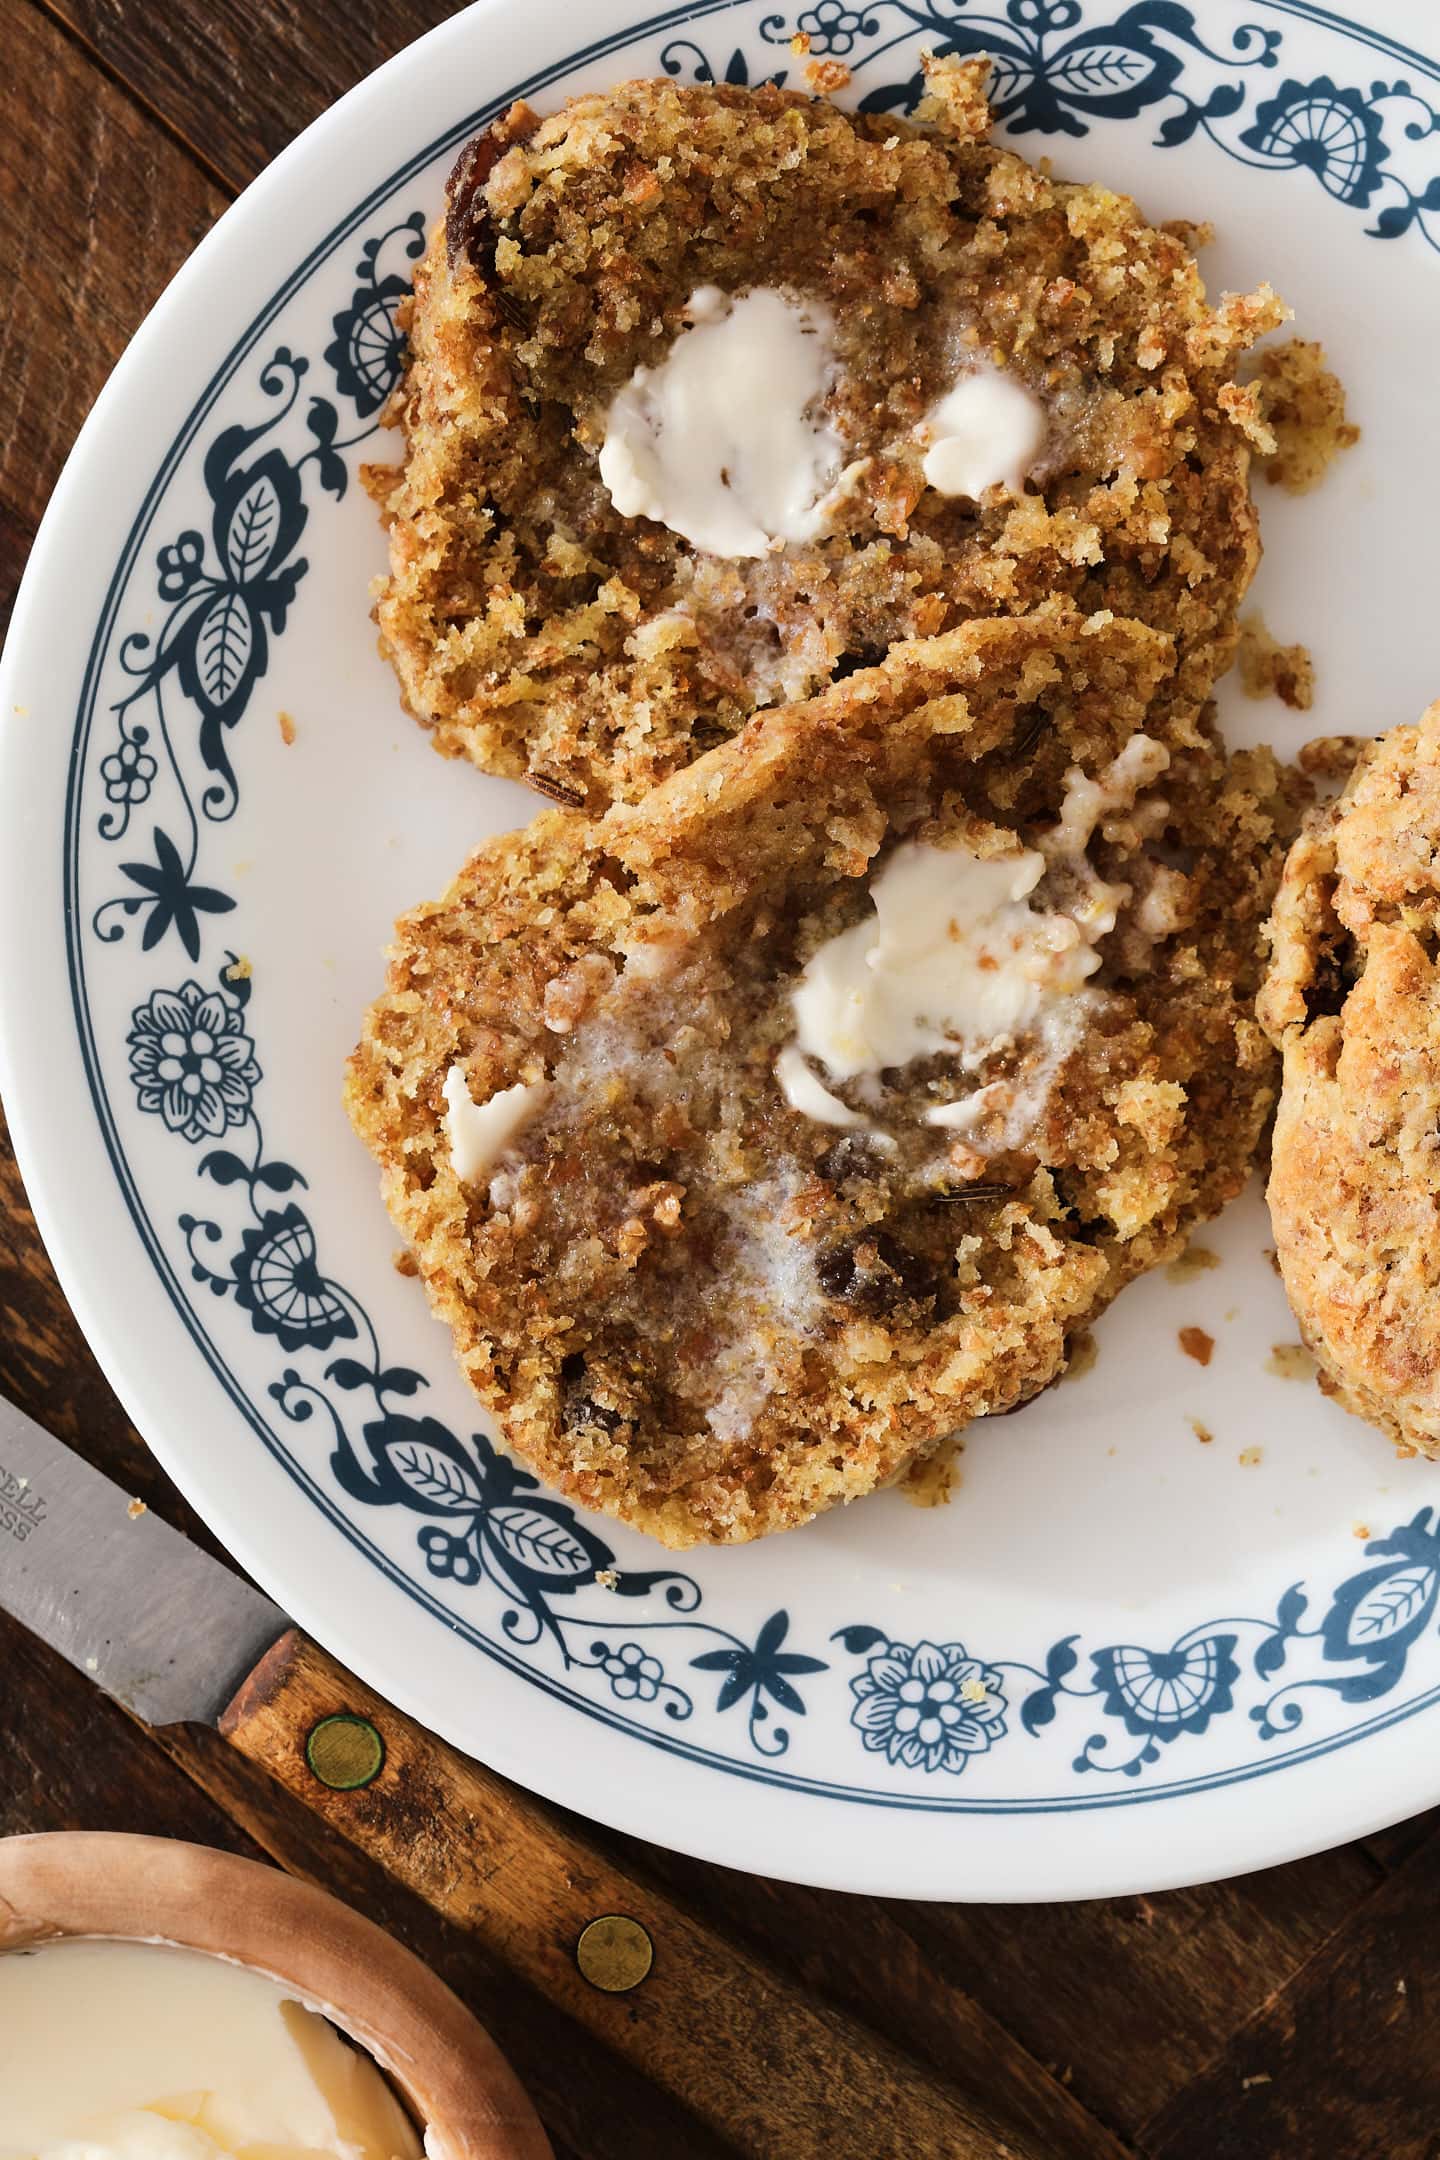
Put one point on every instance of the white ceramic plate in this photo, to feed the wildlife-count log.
(1196, 1657)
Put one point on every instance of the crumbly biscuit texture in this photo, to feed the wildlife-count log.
(693, 1306)
(542, 634)
(1302, 403)
(1352, 1000)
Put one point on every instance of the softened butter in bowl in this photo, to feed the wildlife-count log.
(140, 2051)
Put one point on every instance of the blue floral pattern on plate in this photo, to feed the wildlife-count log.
(929, 1708)
(540, 1577)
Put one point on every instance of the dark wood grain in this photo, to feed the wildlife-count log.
(1291, 2014)
(16, 535)
(1149, 1981)
(1342, 2057)
(98, 209)
(867, 1959)
(236, 83)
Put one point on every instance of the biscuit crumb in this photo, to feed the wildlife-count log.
(1250, 1458)
(1400, 1988)
(238, 971)
(1260, 2077)
(1084, 1350)
(135, 1509)
(1304, 405)
(974, 1691)
(1269, 669)
(1290, 1361)
(930, 1483)
(800, 44)
(1195, 1260)
(1202, 1432)
(404, 1262)
(825, 77)
(1360, 1530)
(607, 1577)
(287, 729)
(1197, 1344)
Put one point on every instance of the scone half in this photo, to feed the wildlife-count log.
(552, 626)
(753, 1139)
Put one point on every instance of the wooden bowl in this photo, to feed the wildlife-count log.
(445, 2066)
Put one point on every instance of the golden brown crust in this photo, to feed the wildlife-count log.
(536, 631)
(692, 1306)
(1352, 999)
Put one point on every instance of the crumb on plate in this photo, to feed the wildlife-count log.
(1269, 669)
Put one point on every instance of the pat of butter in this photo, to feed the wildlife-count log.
(953, 955)
(957, 958)
(479, 1133)
(723, 441)
(137, 2051)
(986, 432)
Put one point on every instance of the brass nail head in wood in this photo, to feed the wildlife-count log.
(345, 1752)
(614, 1953)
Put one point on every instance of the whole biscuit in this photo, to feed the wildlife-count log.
(1352, 1001)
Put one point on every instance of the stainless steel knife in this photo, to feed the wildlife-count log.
(157, 1623)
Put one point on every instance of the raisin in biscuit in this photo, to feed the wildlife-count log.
(538, 631)
(688, 1298)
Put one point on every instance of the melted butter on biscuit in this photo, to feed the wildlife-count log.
(959, 957)
(724, 441)
(479, 1133)
(805, 1092)
(954, 954)
(985, 432)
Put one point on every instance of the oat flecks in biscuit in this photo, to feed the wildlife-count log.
(540, 633)
(695, 1307)
(1352, 998)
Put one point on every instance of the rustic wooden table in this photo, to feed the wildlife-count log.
(1292, 2013)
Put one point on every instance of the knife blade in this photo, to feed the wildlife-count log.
(157, 1623)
